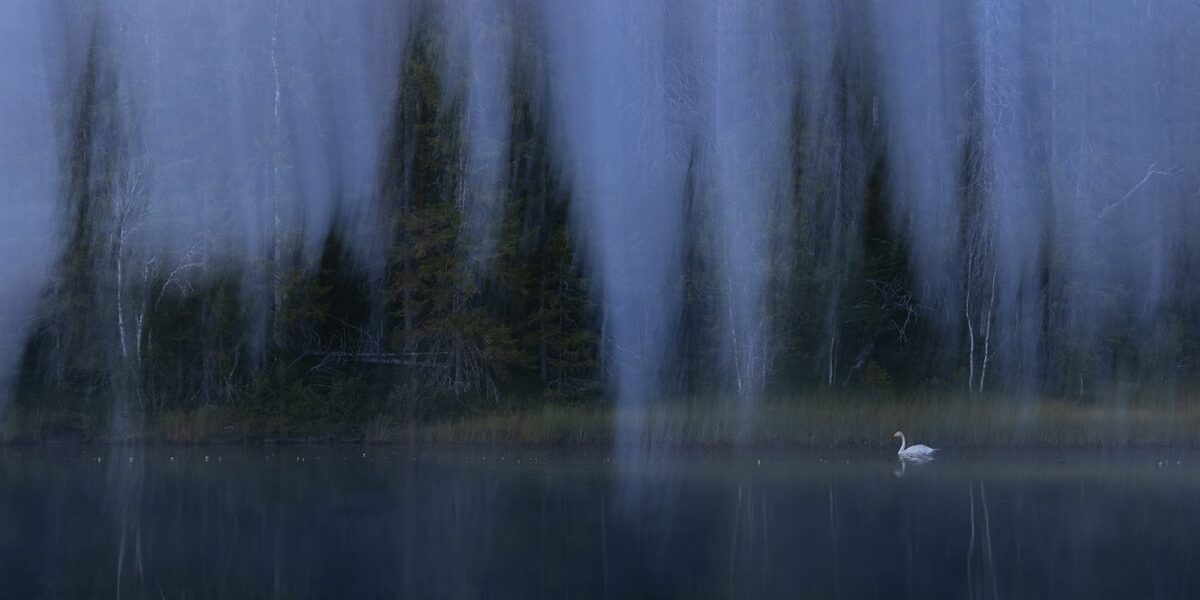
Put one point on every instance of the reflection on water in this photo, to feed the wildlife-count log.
(86, 521)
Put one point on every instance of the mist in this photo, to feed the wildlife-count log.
(1033, 167)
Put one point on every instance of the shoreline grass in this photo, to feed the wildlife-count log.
(842, 423)
(801, 422)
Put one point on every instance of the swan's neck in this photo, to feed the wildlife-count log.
(903, 443)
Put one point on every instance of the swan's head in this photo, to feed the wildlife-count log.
(897, 434)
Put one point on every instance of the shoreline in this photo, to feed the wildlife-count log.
(716, 450)
(841, 423)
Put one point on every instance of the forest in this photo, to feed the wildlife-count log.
(310, 334)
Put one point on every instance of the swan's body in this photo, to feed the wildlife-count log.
(914, 451)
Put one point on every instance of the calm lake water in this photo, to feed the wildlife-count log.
(333, 523)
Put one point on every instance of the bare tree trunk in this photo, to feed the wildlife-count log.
(273, 181)
(121, 291)
(140, 325)
(128, 197)
(970, 334)
(832, 354)
(735, 343)
(987, 333)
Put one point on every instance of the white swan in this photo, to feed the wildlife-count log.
(917, 451)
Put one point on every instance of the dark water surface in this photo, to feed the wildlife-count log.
(333, 523)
